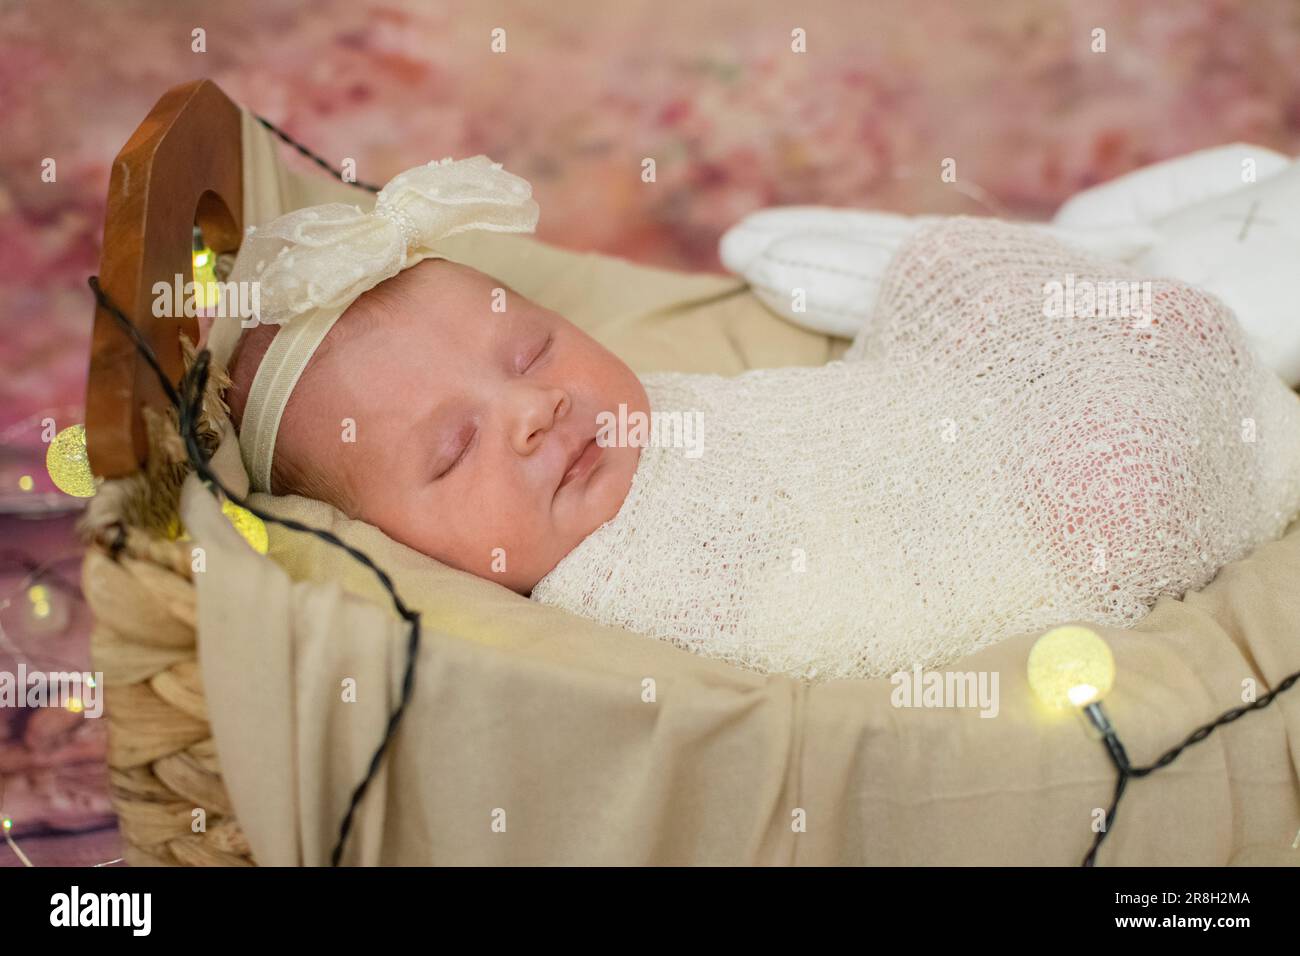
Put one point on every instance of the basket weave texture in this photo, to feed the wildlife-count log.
(164, 776)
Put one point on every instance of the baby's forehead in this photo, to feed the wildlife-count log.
(434, 297)
(444, 277)
(443, 319)
(448, 293)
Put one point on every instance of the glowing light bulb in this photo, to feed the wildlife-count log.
(26, 483)
(1081, 695)
(68, 465)
(47, 609)
(1071, 666)
(6, 824)
(207, 293)
(247, 524)
(75, 705)
(39, 598)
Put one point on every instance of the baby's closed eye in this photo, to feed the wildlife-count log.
(459, 449)
(532, 354)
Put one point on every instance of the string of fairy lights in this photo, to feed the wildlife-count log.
(1069, 668)
(40, 597)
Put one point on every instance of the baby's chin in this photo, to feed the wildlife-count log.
(589, 500)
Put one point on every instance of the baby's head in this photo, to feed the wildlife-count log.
(465, 433)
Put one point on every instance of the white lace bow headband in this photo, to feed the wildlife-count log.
(311, 264)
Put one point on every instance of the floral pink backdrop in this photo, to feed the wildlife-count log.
(736, 120)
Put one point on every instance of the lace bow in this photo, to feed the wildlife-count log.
(324, 257)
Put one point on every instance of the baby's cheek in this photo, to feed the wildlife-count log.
(508, 541)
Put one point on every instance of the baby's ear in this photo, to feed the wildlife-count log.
(248, 353)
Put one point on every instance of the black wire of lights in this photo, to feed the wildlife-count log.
(1126, 769)
(188, 401)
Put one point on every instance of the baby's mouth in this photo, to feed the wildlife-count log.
(582, 464)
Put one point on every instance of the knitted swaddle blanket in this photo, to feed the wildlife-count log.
(1021, 435)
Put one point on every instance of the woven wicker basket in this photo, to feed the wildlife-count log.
(137, 579)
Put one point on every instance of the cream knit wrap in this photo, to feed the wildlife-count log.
(972, 470)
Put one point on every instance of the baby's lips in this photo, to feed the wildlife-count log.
(587, 458)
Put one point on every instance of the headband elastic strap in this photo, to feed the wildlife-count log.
(277, 375)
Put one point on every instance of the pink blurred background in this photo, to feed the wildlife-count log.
(584, 91)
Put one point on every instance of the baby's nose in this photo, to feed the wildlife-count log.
(535, 412)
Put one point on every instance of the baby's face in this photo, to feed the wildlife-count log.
(475, 430)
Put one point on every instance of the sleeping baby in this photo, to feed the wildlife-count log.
(975, 466)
